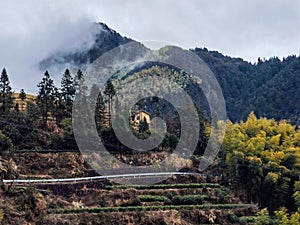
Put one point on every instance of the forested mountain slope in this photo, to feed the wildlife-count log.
(270, 87)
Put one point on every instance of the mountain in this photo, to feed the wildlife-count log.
(278, 96)
(104, 39)
(270, 87)
(231, 74)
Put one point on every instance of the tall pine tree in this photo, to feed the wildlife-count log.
(6, 100)
(67, 95)
(78, 80)
(22, 96)
(100, 112)
(46, 98)
(109, 92)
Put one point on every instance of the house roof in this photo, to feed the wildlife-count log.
(142, 111)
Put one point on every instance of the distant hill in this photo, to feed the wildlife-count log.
(270, 87)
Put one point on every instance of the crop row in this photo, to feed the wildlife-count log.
(166, 186)
(147, 208)
(174, 200)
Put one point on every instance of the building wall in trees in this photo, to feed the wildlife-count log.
(141, 116)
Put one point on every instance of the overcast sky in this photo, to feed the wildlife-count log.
(33, 29)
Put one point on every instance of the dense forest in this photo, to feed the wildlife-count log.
(268, 87)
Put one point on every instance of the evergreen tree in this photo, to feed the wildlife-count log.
(22, 96)
(80, 87)
(46, 97)
(6, 100)
(59, 110)
(67, 92)
(109, 92)
(99, 108)
(79, 79)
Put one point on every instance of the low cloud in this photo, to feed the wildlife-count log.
(34, 31)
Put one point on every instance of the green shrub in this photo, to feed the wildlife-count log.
(188, 199)
(221, 195)
(244, 220)
(233, 218)
(153, 198)
(136, 201)
(5, 143)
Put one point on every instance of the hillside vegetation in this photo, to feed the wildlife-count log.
(269, 87)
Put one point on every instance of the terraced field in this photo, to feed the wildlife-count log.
(181, 199)
(208, 203)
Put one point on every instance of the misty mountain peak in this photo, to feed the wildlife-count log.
(99, 40)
